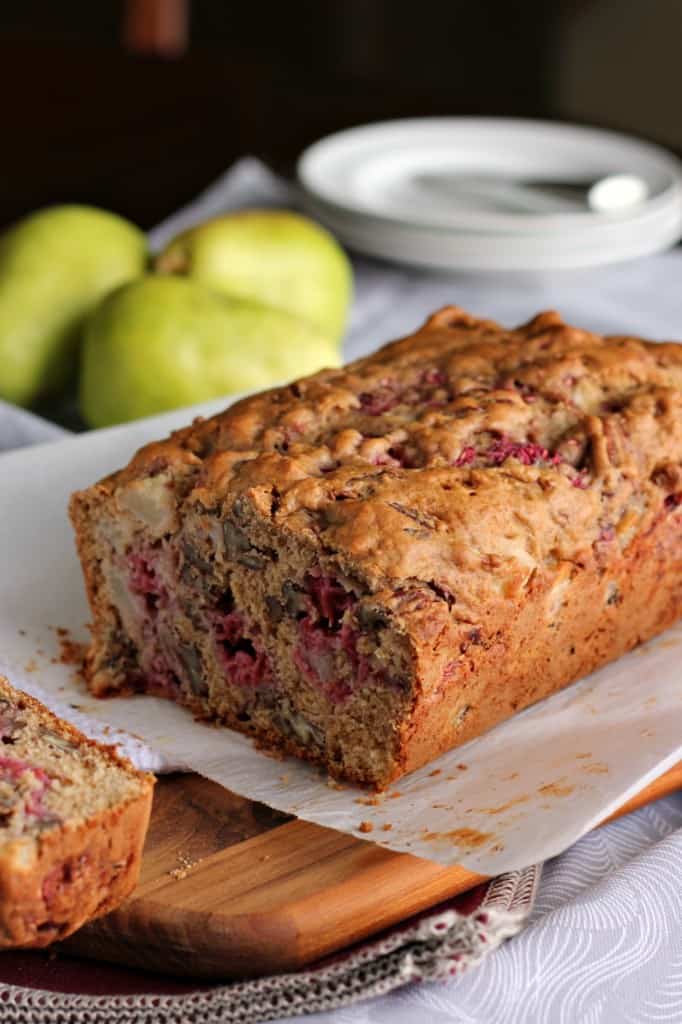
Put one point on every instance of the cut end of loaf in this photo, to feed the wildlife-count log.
(248, 630)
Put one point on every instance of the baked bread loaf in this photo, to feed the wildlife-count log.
(374, 564)
(73, 817)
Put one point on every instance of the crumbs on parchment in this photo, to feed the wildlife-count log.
(71, 652)
(373, 800)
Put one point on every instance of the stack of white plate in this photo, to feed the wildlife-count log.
(493, 194)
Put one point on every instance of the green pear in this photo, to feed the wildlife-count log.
(274, 257)
(163, 342)
(55, 265)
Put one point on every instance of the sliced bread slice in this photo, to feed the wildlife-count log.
(73, 818)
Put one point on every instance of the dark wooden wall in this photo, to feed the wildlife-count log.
(84, 118)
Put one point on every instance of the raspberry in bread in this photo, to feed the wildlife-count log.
(372, 565)
(73, 817)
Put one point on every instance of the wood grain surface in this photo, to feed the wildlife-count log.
(230, 888)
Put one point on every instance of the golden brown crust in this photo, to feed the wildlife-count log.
(77, 874)
(484, 485)
(527, 663)
(51, 883)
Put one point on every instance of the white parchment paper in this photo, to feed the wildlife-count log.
(520, 794)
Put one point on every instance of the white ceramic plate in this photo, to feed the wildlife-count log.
(489, 252)
(374, 187)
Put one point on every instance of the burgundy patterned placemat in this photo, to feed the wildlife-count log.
(43, 988)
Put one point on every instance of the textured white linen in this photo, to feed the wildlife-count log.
(603, 946)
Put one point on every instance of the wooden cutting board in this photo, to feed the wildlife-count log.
(230, 888)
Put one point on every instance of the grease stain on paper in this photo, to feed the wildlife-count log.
(524, 798)
(467, 838)
(595, 768)
(556, 789)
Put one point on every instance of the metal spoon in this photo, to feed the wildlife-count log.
(610, 194)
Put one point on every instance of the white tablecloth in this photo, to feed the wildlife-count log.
(604, 943)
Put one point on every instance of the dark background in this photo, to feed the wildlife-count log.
(135, 105)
